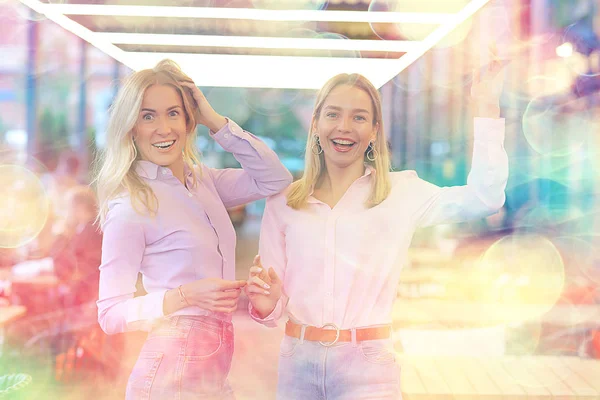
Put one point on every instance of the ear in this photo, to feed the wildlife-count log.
(314, 125)
(375, 130)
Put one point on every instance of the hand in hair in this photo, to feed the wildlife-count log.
(264, 288)
(208, 116)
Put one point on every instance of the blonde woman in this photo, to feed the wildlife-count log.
(335, 241)
(164, 214)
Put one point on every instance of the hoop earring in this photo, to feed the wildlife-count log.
(316, 147)
(372, 153)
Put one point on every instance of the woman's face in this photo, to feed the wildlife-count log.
(345, 126)
(160, 130)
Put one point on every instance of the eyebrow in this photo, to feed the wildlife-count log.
(356, 110)
(151, 110)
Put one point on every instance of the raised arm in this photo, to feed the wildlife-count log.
(261, 175)
(484, 192)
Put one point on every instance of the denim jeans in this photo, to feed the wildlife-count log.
(184, 357)
(344, 371)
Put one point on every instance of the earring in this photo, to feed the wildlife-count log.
(316, 147)
(372, 153)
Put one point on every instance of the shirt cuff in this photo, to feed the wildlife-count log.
(490, 129)
(271, 319)
(147, 310)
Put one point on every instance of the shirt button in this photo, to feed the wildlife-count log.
(328, 294)
(226, 135)
(190, 195)
(164, 171)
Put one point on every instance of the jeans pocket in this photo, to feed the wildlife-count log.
(288, 346)
(203, 343)
(378, 351)
(142, 376)
(206, 375)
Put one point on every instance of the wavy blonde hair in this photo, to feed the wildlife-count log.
(314, 164)
(114, 167)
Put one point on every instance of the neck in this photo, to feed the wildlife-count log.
(336, 180)
(177, 168)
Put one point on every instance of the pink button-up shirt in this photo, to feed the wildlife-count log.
(342, 265)
(190, 237)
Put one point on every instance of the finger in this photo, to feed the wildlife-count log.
(255, 271)
(224, 285)
(257, 262)
(225, 303)
(230, 294)
(255, 280)
(189, 84)
(227, 310)
(252, 289)
(273, 276)
(476, 74)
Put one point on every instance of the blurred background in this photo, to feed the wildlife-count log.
(522, 282)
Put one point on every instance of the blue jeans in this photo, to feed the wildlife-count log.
(184, 357)
(344, 371)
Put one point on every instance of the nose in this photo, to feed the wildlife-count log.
(162, 126)
(344, 124)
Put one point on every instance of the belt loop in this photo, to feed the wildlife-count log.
(353, 335)
(302, 332)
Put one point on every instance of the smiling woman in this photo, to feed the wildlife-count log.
(336, 240)
(164, 215)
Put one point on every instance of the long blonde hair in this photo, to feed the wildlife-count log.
(314, 164)
(115, 166)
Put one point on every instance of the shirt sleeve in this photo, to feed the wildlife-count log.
(483, 194)
(272, 252)
(123, 248)
(261, 175)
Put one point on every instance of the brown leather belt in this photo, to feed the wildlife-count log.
(328, 337)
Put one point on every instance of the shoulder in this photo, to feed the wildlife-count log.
(121, 209)
(278, 202)
(408, 175)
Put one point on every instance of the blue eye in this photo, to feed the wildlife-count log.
(173, 113)
(360, 118)
(331, 115)
(148, 117)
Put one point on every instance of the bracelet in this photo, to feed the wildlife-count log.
(182, 297)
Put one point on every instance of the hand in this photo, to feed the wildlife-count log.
(487, 86)
(264, 288)
(206, 116)
(214, 294)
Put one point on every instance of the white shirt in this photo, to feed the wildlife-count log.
(343, 265)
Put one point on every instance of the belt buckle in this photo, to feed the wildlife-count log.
(337, 335)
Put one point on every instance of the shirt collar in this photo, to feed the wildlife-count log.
(148, 169)
(369, 170)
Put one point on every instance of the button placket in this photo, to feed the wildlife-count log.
(330, 224)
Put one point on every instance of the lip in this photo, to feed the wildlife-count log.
(342, 149)
(343, 138)
(164, 150)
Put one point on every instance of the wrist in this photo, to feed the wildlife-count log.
(264, 312)
(216, 122)
(486, 110)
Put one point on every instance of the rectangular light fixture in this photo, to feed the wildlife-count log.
(260, 42)
(259, 71)
(263, 71)
(249, 13)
